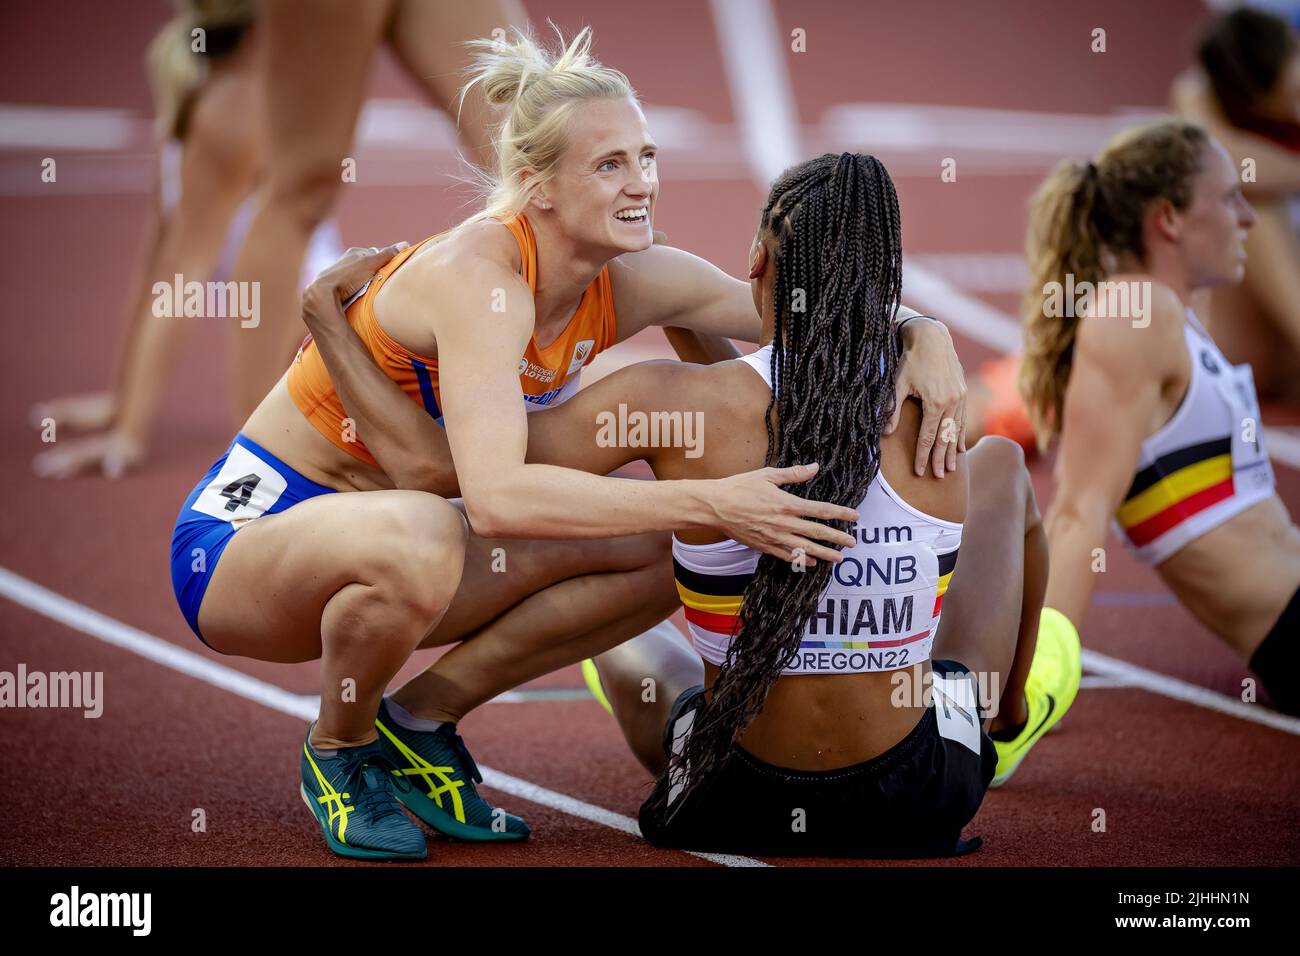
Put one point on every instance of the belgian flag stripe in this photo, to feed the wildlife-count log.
(717, 623)
(717, 585)
(943, 589)
(1147, 531)
(714, 604)
(1176, 460)
(947, 562)
(1170, 490)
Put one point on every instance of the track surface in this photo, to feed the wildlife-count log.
(1180, 782)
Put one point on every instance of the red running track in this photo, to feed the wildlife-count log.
(1180, 783)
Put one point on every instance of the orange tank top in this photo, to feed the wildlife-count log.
(547, 376)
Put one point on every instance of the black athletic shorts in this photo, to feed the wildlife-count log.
(911, 801)
(1277, 659)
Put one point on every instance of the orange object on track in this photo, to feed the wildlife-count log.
(1005, 413)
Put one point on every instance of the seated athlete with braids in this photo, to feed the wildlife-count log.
(805, 730)
(814, 730)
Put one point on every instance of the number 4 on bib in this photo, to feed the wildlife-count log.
(243, 488)
(239, 491)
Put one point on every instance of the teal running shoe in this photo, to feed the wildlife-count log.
(350, 793)
(440, 774)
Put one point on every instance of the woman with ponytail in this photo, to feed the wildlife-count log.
(459, 336)
(1158, 432)
(829, 708)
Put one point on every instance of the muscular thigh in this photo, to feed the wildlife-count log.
(270, 587)
(501, 572)
(981, 610)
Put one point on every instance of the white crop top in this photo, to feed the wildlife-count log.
(1203, 466)
(880, 610)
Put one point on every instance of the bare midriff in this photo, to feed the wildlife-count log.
(828, 722)
(1237, 578)
(281, 429)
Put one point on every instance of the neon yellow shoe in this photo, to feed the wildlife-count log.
(1050, 689)
(592, 677)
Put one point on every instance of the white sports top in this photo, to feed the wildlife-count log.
(323, 250)
(881, 608)
(1203, 466)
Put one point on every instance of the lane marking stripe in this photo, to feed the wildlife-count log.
(88, 621)
(1096, 682)
(1166, 686)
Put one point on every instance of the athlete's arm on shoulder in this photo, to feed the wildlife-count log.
(410, 446)
(1119, 371)
(667, 286)
(478, 365)
(946, 497)
(686, 421)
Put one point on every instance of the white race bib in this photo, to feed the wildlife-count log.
(1251, 469)
(244, 488)
(955, 709)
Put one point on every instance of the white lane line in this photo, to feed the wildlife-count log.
(400, 143)
(932, 129)
(932, 294)
(1189, 693)
(989, 272)
(77, 616)
(1283, 446)
(384, 124)
(89, 621)
(55, 127)
(577, 808)
(761, 93)
(542, 694)
(1097, 682)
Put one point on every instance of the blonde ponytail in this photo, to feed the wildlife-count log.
(174, 74)
(1062, 241)
(540, 91)
(1081, 218)
(175, 71)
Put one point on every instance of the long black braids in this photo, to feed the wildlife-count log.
(838, 237)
